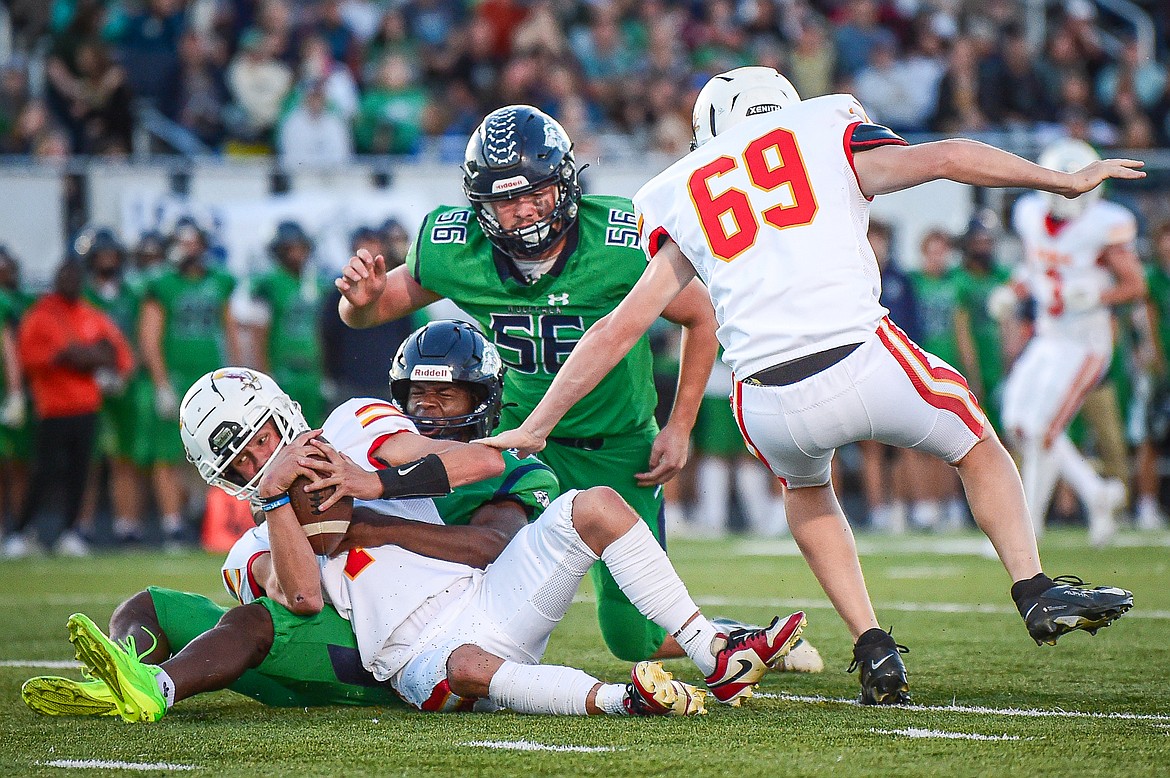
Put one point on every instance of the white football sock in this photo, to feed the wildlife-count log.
(696, 639)
(640, 567)
(611, 698)
(166, 686)
(550, 689)
(1039, 469)
(1076, 470)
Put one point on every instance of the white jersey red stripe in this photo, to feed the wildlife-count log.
(944, 389)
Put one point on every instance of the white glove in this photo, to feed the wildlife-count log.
(166, 402)
(12, 413)
(1002, 303)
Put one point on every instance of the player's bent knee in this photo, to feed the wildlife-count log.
(470, 670)
(600, 512)
(251, 626)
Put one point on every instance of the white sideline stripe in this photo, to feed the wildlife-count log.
(1021, 712)
(975, 545)
(938, 733)
(530, 745)
(102, 764)
(59, 664)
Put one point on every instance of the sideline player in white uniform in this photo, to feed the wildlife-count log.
(774, 221)
(1079, 261)
(446, 636)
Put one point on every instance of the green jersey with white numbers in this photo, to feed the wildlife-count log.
(193, 337)
(535, 325)
(527, 481)
(294, 340)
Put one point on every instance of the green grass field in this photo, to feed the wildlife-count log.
(987, 701)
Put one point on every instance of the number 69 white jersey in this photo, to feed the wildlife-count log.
(771, 215)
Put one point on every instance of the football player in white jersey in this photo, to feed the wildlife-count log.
(773, 220)
(443, 635)
(1079, 261)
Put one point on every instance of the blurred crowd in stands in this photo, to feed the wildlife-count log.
(317, 81)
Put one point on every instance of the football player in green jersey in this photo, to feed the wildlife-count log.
(123, 436)
(290, 342)
(535, 263)
(980, 339)
(185, 330)
(15, 419)
(934, 484)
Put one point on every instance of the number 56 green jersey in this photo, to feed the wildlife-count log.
(535, 325)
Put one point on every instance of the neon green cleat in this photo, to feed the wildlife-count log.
(53, 696)
(131, 683)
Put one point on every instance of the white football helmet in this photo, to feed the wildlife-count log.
(219, 415)
(1069, 155)
(729, 98)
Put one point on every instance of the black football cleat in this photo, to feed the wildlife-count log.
(883, 675)
(1072, 605)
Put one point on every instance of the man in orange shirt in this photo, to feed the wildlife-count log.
(68, 348)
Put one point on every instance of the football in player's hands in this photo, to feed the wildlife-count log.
(324, 530)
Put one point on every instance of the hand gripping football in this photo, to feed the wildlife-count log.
(324, 530)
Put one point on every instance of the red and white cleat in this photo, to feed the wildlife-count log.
(749, 654)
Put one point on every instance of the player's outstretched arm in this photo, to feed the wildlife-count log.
(893, 168)
(691, 309)
(371, 296)
(464, 463)
(602, 347)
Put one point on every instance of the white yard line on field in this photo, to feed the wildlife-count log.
(717, 601)
(1021, 712)
(530, 745)
(57, 664)
(103, 764)
(939, 734)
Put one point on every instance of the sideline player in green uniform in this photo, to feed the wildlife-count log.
(290, 342)
(16, 422)
(123, 434)
(535, 263)
(978, 331)
(185, 330)
(313, 660)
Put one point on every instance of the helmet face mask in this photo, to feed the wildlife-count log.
(455, 352)
(732, 97)
(222, 412)
(516, 151)
(1069, 155)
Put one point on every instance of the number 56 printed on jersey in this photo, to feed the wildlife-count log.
(729, 220)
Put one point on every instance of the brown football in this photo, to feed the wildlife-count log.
(324, 530)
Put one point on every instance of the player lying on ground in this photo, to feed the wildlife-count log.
(426, 640)
(795, 287)
(278, 658)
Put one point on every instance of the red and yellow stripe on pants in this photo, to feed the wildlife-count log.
(939, 385)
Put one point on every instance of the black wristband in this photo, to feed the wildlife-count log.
(426, 477)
